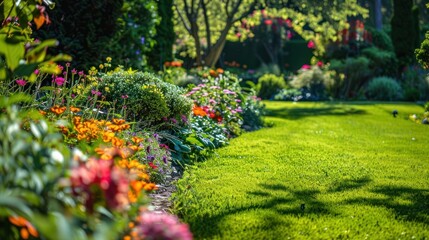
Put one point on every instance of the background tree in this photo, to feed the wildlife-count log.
(90, 31)
(403, 32)
(165, 36)
(204, 26)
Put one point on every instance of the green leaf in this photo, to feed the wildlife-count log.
(25, 70)
(13, 204)
(13, 51)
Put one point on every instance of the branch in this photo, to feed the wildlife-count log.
(206, 21)
(246, 13)
(187, 27)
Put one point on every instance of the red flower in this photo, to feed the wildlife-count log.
(153, 166)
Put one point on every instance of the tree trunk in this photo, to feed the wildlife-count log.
(196, 37)
(213, 55)
(378, 16)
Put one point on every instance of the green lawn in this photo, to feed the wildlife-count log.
(323, 171)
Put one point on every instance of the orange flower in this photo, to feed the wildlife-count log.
(118, 121)
(220, 71)
(42, 112)
(108, 136)
(74, 109)
(117, 142)
(57, 109)
(27, 228)
(213, 73)
(137, 140)
(198, 111)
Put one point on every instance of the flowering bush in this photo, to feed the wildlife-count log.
(221, 99)
(160, 226)
(315, 79)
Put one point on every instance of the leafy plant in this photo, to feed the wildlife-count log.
(384, 88)
(269, 84)
(314, 79)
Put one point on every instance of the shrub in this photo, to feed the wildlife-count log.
(269, 84)
(383, 63)
(381, 40)
(384, 88)
(148, 99)
(352, 74)
(314, 79)
(422, 53)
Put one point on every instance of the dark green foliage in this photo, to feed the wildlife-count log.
(403, 33)
(90, 31)
(382, 62)
(165, 36)
(269, 85)
(356, 73)
(422, 53)
(384, 88)
(381, 39)
(83, 28)
(416, 26)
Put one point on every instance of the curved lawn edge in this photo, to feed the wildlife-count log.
(323, 171)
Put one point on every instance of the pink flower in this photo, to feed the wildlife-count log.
(162, 226)
(59, 81)
(81, 73)
(21, 82)
(268, 22)
(320, 63)
(37, 71)
(305, 66)
(74, 71)
(311, 44)
(95, 176)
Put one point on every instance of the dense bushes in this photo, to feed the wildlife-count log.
(384, 88)
(269, 85)
(92, 31)
(314, 80)
(147, 99)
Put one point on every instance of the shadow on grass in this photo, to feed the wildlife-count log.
(298, 113)
(409, 204)
(276, 198)
(347, 185)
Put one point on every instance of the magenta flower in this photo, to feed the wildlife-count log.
(59, 81)
(320, 63)
(37, 71)
(311, 44)
(81, 73)
(305, 66)
(95, 176)
(95, 92)
(162, 226)
(21, 82)
(74, 71)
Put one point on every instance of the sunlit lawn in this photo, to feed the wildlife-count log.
(323, 171)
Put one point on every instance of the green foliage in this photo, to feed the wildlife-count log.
(422, 53)
(384, 88)
(383, 63)
(415, 83)
(33, 160)
(165, 36)
(253, 112)
(147, 98)
(352, 74)
(269, 84)
(315, 79)
(403, 33)
(381, 39)
(19, 54)
(92, 31)
(336, 160)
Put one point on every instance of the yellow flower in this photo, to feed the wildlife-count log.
(108, 59)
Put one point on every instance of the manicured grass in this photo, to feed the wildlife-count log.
(323, 171)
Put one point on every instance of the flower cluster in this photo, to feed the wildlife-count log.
(99, 179)
(159, 226)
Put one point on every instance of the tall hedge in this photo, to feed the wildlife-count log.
(165, 36)
(403, 33)
(90, 31)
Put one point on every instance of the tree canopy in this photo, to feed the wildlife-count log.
(204, 26)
